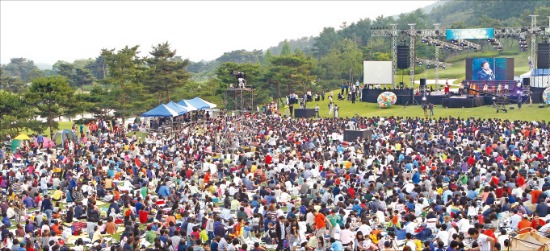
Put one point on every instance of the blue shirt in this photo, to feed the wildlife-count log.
(164, 191)
(28, 202)
(337, 246)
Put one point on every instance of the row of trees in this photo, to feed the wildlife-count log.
(129, 85)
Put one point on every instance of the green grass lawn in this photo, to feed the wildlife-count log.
(347, 109)
(62, 126)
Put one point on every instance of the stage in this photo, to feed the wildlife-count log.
(406, 96)
(463, 101)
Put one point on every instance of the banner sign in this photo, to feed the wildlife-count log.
(481, 33)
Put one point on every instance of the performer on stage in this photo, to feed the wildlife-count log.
(473, 89)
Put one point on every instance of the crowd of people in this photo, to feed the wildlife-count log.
(257, 182)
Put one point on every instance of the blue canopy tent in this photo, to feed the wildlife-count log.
(187, 105)
(198, 103)
(177, 108)
(201, 104)
(160, 111)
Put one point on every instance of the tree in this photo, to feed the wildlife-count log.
(329, 69)
(351, 58)
(267, 58)
(51, 96)
(166, 73)
(23, 69)
(326, 41)
(241, 56)
(11, 83)
(66, 70)
(100, 101)
(290, 72)
(285, 51)
(98, 68)
(125, 78)
(83, 77)
(16, 115)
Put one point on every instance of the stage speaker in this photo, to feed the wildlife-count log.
(526, 82)
(352, 135)
(403, 57)
(422, 82)
(304, 113)
(543, 56)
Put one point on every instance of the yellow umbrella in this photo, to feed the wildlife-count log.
(22, 136)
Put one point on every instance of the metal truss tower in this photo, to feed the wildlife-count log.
(239, 99)
(393, 52)
(437, 59)
(534, 31)
(412, 53)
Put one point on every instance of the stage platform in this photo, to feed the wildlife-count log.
(406, 97)
(463, 101)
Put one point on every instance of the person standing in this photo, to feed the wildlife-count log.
(484, 242)
(280, 233)
(336, 108)
(40, 141)
(431, 107)
(317, 111)
(425, 109)
(320, 223)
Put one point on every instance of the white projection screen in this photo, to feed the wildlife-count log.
(377, 72)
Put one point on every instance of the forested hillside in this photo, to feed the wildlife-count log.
(122, 81)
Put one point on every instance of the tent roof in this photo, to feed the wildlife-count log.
(536, 72)
(180, 109)
(187, 105)
(201, 103)
(160, 111)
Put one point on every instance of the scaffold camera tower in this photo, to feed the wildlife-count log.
(239, 97)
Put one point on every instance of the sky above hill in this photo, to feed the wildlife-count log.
(48, 31)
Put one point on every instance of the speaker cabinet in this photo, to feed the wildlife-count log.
(543, 56)
(403, 57)
(352, 135)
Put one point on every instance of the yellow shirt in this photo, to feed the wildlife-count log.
(398, 147)
(96, 236)
(57, 195)
(253, 168)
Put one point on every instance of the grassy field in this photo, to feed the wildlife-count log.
(347, 109)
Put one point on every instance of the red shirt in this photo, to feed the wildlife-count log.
(320, 221)
(499, 192)
(471, 161)
(535, 196)
(536, 223)
(143, 216)
(520, 181)
(351, 192)
(490, 233)
(494, 180)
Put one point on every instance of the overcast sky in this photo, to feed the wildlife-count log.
(48, 31)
